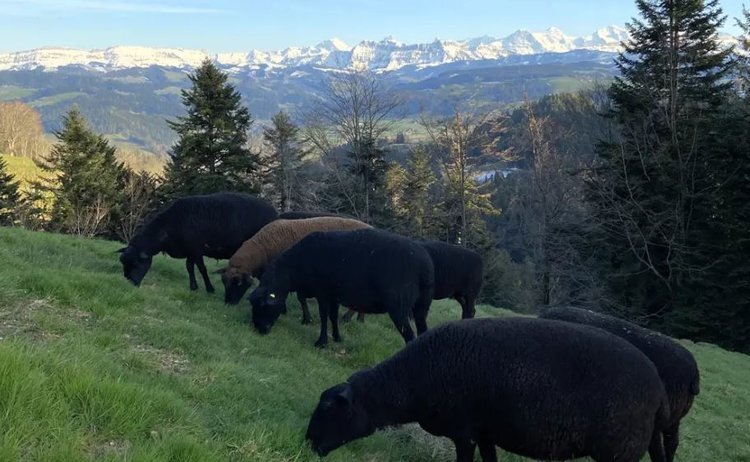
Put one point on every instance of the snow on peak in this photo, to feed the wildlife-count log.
(387, 54)
(334, 44)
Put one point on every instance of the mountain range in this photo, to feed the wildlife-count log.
(379, 56)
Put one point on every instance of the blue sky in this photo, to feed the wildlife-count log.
(237, 25)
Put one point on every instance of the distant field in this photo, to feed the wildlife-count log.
(55, 99)
(11, 92)
(94, 369)
(23, 168)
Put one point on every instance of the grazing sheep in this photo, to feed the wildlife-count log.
(267, 244)
(676, 365)
(213, 225)
(375, 271)
(543, 389)
(458, 275)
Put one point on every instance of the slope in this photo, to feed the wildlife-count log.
(92, 368)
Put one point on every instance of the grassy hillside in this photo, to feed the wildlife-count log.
(92, 368)
(22, 168)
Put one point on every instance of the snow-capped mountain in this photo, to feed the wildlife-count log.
(385, 55)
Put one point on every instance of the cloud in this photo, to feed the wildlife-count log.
(37, 6)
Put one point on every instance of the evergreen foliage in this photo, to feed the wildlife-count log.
(10, 197)
(212, 153)
(670, 190)
(87, 179)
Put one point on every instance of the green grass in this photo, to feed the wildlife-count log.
(55, 99)
(92, 368)
(22, 168)
(12, 92)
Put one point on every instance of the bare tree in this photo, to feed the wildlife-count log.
(354, 115)
(137, 202)
(21, 132)
(554, 214)
(89, 220)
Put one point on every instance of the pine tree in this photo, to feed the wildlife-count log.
(87, 178)
(283, 161)
(650, 180)
(211, 154)
(10, 197)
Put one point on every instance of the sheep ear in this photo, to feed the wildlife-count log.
(346, 394)
(121, 250)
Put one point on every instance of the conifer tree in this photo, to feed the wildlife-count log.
(211, 153)
(283, 161)
(86, 180)
(10, 197)
(650, 180)
(718, 309)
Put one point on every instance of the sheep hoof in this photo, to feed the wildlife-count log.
(306, 321)
(337, 338)
(210, 290)
(321, 343)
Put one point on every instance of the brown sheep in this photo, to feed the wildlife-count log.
(270, 242)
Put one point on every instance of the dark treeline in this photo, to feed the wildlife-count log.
(631, 199)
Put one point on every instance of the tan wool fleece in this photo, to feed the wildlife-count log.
(279, 235)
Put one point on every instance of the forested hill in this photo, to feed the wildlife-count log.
(132, 105)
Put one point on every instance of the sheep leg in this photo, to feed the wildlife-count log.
(348, 316)
(656, 448)
(204, 274)
(467, 307)
(671, 441)
(487, 450)
(333, 314)
(420, 310)
(323, 313)
(190, 266)
(361, 317)
(306, 318)
(464, 450)
(401, 321)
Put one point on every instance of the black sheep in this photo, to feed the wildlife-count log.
(375, 271)
(213, 225)
(676, 365)
(458, 275)
(301, 215)
(543, 389)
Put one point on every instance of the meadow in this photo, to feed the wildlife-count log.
(93, 368)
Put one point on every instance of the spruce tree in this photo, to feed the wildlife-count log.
(719, 308)
(10, 197)
(86, 181)
(283, 161)
(211, 153)
(652, 176)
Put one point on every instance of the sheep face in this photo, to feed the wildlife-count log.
(135, 264)
(337, 420)
(235, 285)
(267, 307)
